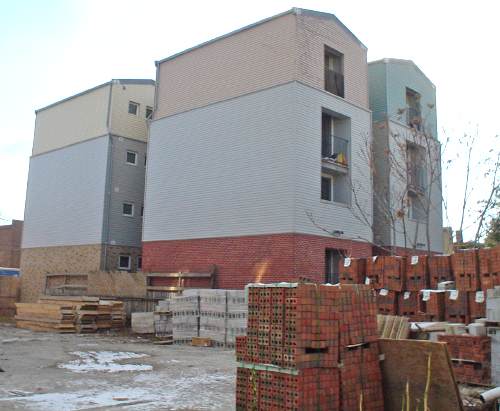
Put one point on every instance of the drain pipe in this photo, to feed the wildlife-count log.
(489, 396)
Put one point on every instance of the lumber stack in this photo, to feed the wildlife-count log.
(45, 317)
(71, 314)
(309, 347)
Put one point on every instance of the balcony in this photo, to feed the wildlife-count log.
(335, 154)
(417, 180)
(334, 82)
(414, 118)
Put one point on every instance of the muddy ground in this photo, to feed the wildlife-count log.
(45, 371)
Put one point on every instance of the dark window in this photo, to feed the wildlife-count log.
(326, 135)
(149, 112)
(332, 260)
(131, 157)
(334, 72)
(124, 262)
(413, 112)
(326, 188)
(142, 211)
(145, 160)
(133, 108)
(128, 209)
(139, 262)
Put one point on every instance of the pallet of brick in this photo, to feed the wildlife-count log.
(352, 270)
(273, 388)
(457, 306)
(213, 308)
(431, 305)
(477, 305)
(417, 273)
(439, 270)
(470, 356)
(236, 325)
(375, 271)
(489, 267)
(408, 304)
(466, 270)
(493, 305)
(394, 273)
(387, 302)
(163, 325)
(45, 317)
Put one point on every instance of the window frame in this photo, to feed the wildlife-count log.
(136, 155)
(139, 259)
(146, 113)
(123, 268)
(137, 105)
(330, 178)
(133, 209)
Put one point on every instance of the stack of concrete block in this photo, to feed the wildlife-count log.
(186, 316)
(143, 323)
(213, 308)
(237, 311)
(494, 334)
(493, 304)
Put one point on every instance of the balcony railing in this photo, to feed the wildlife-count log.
(334, 82)
(338, 152)
(414, 117)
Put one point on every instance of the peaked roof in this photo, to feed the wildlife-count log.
(388, 60)
(114, 81)
(297, 11)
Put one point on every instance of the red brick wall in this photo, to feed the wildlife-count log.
(240, 260)
(10, 244)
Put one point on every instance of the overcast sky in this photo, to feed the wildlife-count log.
(52, 49)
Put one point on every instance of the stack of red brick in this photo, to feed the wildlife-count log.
(401, 283)
(470, 356)
(309, 347)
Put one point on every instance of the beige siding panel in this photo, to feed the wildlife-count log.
(71, 121)
(251, 60)
(316, 32)
(122, 122)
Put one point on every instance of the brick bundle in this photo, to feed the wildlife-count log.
(489, 267)
(457, 306)
(466, 270)
(439, 269)
(417, 273)
(471, 357)
(394, 273)
(352, 271)
(431, 305)
(304, 347)
(375, 271)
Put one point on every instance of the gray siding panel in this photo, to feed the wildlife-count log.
(65, 196)
(126, 185)
(222, 170)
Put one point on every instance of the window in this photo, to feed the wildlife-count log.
(131, 157)
(133, 108)
(417, 208)
(334, 72)
(128, 209)
(145, 159)
(332, 260)
(413, 113)
(149, 112)
(124, 262)
(142, 210)
(333, 147)
(139, 262)
(326, 188)
(416, 168)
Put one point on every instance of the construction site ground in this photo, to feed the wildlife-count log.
(48, 371)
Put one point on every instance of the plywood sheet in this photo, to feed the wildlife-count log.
(406, 361)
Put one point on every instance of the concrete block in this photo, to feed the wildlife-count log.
(143, 323)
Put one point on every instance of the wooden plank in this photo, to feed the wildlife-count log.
(165, 288)
(406, 361)
(181, 275)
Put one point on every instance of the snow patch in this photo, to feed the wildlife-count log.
(104, 361)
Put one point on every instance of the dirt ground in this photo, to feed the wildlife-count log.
(45, 371)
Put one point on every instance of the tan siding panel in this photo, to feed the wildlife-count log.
(74, 120)
(122, 122)
(251, 60)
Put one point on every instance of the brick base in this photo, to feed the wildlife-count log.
(246, 259)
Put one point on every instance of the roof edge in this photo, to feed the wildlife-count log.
(108, 83)
(387, 60)
(294, 10)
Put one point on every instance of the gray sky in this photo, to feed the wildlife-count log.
(55, 48)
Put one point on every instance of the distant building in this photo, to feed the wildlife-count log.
(407, 158)
(10, 244)
(253, 154)
(84, 199)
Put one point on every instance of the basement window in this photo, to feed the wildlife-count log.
(133, 108)
(132, 158)
(149, 113)
(128, 209)
(124, 262)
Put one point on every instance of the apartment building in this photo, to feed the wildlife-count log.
(407, 158)
(253, 158)
(85, 191)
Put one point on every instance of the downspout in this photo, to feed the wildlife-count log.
(109, 178)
